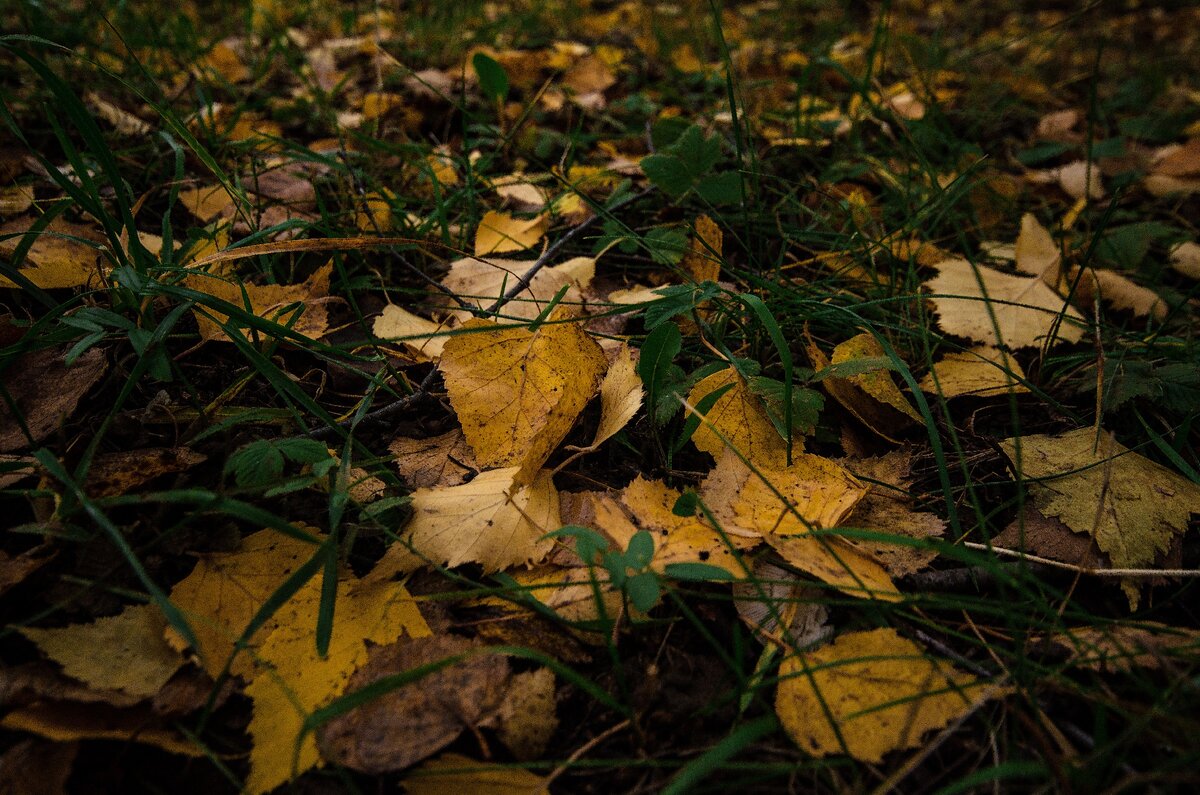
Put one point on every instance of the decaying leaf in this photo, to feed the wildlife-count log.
(125, 652)
(518, 392)
(500, 232)
(37, 767)
(408, 724)
(1118, 291)
(702, 260)
(775, 598)
(1185, 259)
(1132, 506)
(424, 338)
(741, 418)
(62, 255)
(982, 371)
(42, 409)
(527, 718)
(1123, 647)
(454, 774)
(300, 307)
(991, 307)
(64, 721)
(481, 282)
(294, 679)
(871, 396)
(120, 473)
(444, 460)
(491, 520)
(882, 693)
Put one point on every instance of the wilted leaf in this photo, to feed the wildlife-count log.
(301, 307)
(974, 301)
(294, 679)
(60, 255)
(620, 396)
(419, 335)
(500, 232)
(454, 774)
(1123, 647)
(1117, 291)
(481, 282)
(46, 391)
(64, 721)
(870, 395)
(1036, 252)
(527, 717)
(982, 371)
(702, 260)
(882, 692)
(518, 392)
(1132, 506)
(775, 595)
(444, 460)
(406, 725)
(120, 473)
(491, 520)
(739, 416)
(124, 652)
(37, 767)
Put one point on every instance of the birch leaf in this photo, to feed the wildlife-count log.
(982, 371)
(518, 392)
(621, 396)
(741, 418)
(279, 303)
(871, 395)
(501, 232)
(481, 282)
(419, 335)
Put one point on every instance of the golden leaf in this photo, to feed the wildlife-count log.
(518, 392)
(124, 652)
(419, 335)
(454, 774)
(621, 396)
(1130, 505)
(982, 371)
(741, 418)
(1036, 252)
(871, 396)
(56, 259)
(702, 260)
(481, 282)
(882, 693)
(491, 520)
(65, 721)
(500, 232)
(279, 303)
(975, 301)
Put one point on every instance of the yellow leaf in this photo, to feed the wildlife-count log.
(974, 300)
(294, 680)
(702, 260)
(819, 494)
(225, 590)
(481, 282)
(206, 202)
(65, 721)
(1036, 252)
(518, 392)
(1118, 291)
(419, 335)
(982, 371)
(872, 396)
(454, 774)
(1130, 505)
(620, 396)
(500, 232)
(882, 693)
(279, 303)
(124, 652)
(1185, 259)
(55, 259)
(741, 418)
(491, 520)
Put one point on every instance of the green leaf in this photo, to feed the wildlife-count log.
(641, 550)
(643, 590)
(696, 572)
(666, 244)
(668, 173)
(723, 188)
(687, 504)
(493, 81)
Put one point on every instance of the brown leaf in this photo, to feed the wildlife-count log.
(454, 774)
(408, 724)
(1117, 291)
(45, 391)
(887, 508)
(37, 767)
(444, 460)
(112, 474)
(63, 721)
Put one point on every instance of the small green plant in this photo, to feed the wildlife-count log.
(628, 570)
(260, 464)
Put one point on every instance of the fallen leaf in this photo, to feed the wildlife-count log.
(982, 371)
(500, 232)
(454, 774)
(207, 202)
(37, 767)
(405, 725)
(125, 652)
(295, 680)
(741, 418)
(481, 282)
(1185, 259)
(871, 396)
(527, 718)
(46, 392)
(702, 260)
(64, 721)
(14, 569)
(1036, 253)
(112, 474)
(976, 302)
(1118, 291)
(1047, 537)
(300, 307)
(491, 520)
(15, 199)
(621, 396)
(444, 460)
(870, 693)
(518, 392)
(62, 255)
(774, 595)
(819, 494)
(1121, 648)
(1130, 505)
(423, 338)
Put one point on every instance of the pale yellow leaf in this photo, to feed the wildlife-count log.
(1132, 507)
(1185, 259)
(1036, 252)
(528, 715)
(869, 693)
(491, 520)
(66, 721)
(301, 307)
(482, 282)
(1124, 647)
(124, 652)
(982, 371)
(741, 418)
(518, 392)
(1118, 291)
(454, 774)
(500, 232)
(419, 335)
(620, 395)
(975, 302)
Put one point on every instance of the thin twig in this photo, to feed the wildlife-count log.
(1093, 572)
(583, 749)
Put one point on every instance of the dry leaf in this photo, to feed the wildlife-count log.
(527, 718)
(423, 338)
(1036, 253)
(1132, 506)
(294, 680)
(1185, 259)
(500, 232)
(741, 418)
(1023, 308)
(1119, 291)
(482, 282)
(882, 693)
(775, 595)
(56, 259)
(1123, 647)
(518, 392)
(37, 767)
(45, 409)
(887, 508)
(871, 396)
(207, 202)
(408, 724)
(444, 460)
(454, 774)
(125, 652)
(621, 396)
(982, 371)
(112, 474)
(491, 520)
(64, 721)
(702, 260)
(307, 314)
